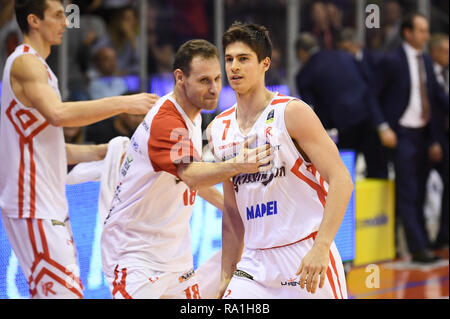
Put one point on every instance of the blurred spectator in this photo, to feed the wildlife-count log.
(368, 140)
(160, 54)
(120, 125)
(104, 81)
(409, 96)
(392, 17)
(74, 135)
(331, 82)
(276, 74)
(321, 26)
(80, 43)
(10, 34)
(191, 20)
(335, 16)
(122, 35)
(439, 151)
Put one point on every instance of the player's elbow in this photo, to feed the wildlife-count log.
(56, 118)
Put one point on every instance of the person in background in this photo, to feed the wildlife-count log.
(332, 83)
(438, 151)
(103, 77)
(409, 100)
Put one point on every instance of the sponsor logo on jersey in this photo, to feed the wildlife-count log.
(126, 165)
(261, 177)
(270, 117)
(291, 282)
(145, 126)
(187, 275)
(241, 273)
(58, 223)
(134, 144)
(261, 210)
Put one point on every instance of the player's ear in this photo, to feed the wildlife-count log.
(266, 63)
(179, 76)
(33, 21)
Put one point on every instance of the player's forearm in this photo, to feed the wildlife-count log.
(232, 245)
(204, 174)
(85, 153)
(75, 114)
(213, 196)
(339, 193)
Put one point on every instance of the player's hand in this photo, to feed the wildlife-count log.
(139, 103)
(313, 268)
(435, 153)
(388, 138)
(253, 160)
(222, 288)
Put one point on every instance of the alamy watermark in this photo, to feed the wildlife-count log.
(373, 279)
(73, 16)
(372, 16)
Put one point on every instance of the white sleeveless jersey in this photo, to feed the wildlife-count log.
(148, 224)
(280, 206)
(34, 169)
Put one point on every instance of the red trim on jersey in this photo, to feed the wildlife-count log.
(43, 239)
(23, 139)
(26, 49)
(321, 192)
(330, 280)
(312, 235)
(120, 287)
(226, 113)
(274, 102)
(30, 121)
(333, 265)
(46, 257)
(21, 177)
(169, 143)
(32, 181)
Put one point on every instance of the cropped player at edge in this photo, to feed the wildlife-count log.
(35, 211)
(278, 226)
(146, 242)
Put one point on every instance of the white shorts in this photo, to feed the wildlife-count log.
(144, 283)
(47, 256)
(271, 274)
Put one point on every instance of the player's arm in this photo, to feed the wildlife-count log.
(232, 237)
(29, 81)
(306, 129)
(85, 153)
(202, 174)
(213, 196)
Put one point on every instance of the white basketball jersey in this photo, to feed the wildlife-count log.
(33, 173)
(148, 224)
(280, 206)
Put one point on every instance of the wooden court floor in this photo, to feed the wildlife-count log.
(400, 279)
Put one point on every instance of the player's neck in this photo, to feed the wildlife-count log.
(253, 102)
(38, 44)
(190, 109)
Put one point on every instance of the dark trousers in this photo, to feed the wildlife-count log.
(363, 138)
(411, 171)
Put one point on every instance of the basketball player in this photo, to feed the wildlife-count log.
(146, 244)
(279, 226)
(35, 158)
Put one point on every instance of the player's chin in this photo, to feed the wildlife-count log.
(210, 104)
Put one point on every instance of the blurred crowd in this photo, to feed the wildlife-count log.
(343, 78)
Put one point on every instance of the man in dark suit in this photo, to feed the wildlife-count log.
(439, 150)
(331, 82)
(408, 98)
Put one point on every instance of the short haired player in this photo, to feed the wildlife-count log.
(278, 226)
(35, 157)
(146, 244)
